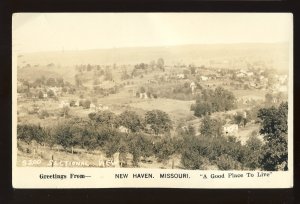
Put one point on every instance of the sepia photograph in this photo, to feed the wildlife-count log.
(172, 93)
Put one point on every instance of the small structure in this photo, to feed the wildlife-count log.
(64, 104)
(230, 129)
(45, 95)
(124, 129)
(105, 108)
(241, 74)
(204, 78)
(93, 106)
(77, 103)
(180, 76)
(193, 86)
(143, 95)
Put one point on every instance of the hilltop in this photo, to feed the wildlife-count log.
(276, 53)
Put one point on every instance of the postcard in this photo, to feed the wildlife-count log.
(152, 100)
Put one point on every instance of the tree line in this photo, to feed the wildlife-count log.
(211, 101)
(149, 136)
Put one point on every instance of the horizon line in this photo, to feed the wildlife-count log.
(154, 46)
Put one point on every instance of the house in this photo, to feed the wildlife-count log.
(143, 95)
(241, 74)
(105, 108)
(92, 106)
(230, 129)
(64, 104)
(123, 129)
(77, 103)
(193, 86)
(249, 74)
(204, 78)
(180, 76)
(45, 95)
(282, 88)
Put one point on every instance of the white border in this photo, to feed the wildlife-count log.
(28, 177)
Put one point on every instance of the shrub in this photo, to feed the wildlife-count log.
(226, 162)
(29, 132)
(43, 114)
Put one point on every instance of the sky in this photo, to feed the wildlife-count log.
(35, 32)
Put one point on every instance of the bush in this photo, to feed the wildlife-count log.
(226, 162)
(27, 133)
(253, 153)
(139, 145)
(86, 104)
(199, 152)
(213, 101)
(43, 114)
(164, 148)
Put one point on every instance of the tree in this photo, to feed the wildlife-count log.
(125, 75)
(275, 130)
(30, 132)
(193, 70)
(139, 145)
(51, 82)
(152, 64)
(142, 89)
(50, 94)
(201, 109)
(41, 95)
(165, 148)
(240, 118)
(65, 111)
(108, 75)
(192, 156)
(64, 136)
(78, 81)
(213, 101)
(130, 120)
(211, 127)
(60, 82)
(86, 104)
(159, 121)
(104, 117)
(161, 64)
(254, 152)
(224, 100)
(269, 98)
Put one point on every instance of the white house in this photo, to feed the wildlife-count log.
(180, 76)
(123, 129)
(64, 104)
(193, 86)
(105, 108)
(92, 106)
(241, 74)
(77, 103)
(143, 95)
(249, 74)
(204, 78)
(45, 95)
(230, 129)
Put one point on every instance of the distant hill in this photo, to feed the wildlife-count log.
(275, 53)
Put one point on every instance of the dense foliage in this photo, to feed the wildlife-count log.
(213, 101)
(275, 130)
(101, 131)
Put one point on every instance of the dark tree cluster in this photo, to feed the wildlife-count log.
(211, 101)
(275, 130)
(148, 135)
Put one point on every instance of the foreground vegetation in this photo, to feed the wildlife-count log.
(148, 135)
